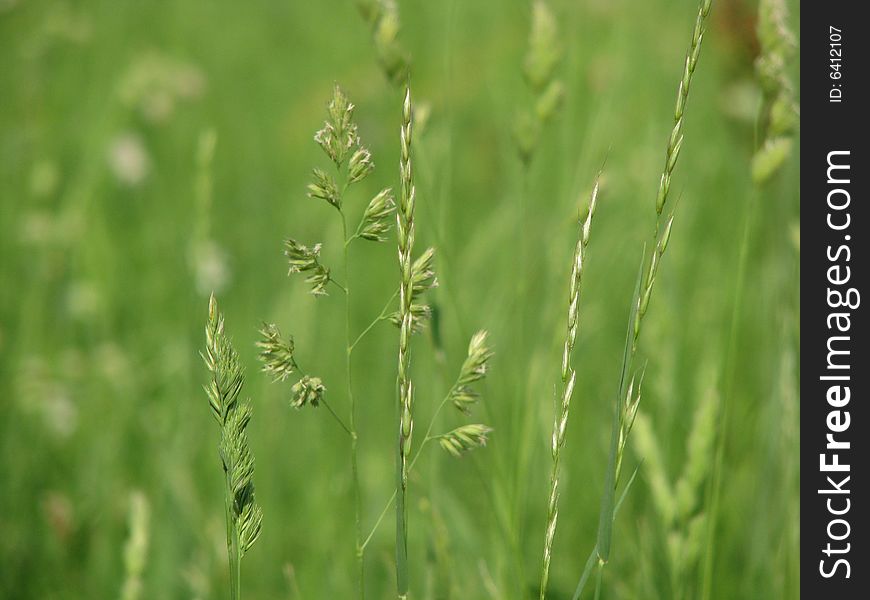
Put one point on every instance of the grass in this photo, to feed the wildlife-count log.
(243, 515)
(147, 163)
(568, 377)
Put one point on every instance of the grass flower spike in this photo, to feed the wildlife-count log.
(462, 395)
(464, 439)
(568, 376)
(405, 234)
(276, 354)
(243, 515)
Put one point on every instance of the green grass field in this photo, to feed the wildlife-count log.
(118, 218)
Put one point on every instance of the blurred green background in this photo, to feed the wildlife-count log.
(115, 225)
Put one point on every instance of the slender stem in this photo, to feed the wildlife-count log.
(598, 579)
(426, 439)
(591, 561)
(341, 287)
(381, 317)
(730, 377)
(357, 495)
(337, 418)
(392, 499)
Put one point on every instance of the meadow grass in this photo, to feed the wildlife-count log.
(179, 149)
(568, 377)
(243, 515)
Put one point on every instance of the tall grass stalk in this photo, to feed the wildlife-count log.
(354, 437)
(546, 92)
(625, 407)
(243, 515)
(568, 376)
(352, 162)
(405, 235)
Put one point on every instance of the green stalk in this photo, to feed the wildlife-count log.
(233, 549)
(644, 287)
(354, 438)
(405, 234)
(568, 377)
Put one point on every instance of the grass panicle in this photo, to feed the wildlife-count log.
(352, 163)
(568, 377)
(243, 514)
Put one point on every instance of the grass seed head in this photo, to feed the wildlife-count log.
(360, 165)
(276, 354)
(244, 516)
(465, 439)
(375, 222)
(303, 259)
(474, 368)
(325, 188)
(339, 133)
(307, 391)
